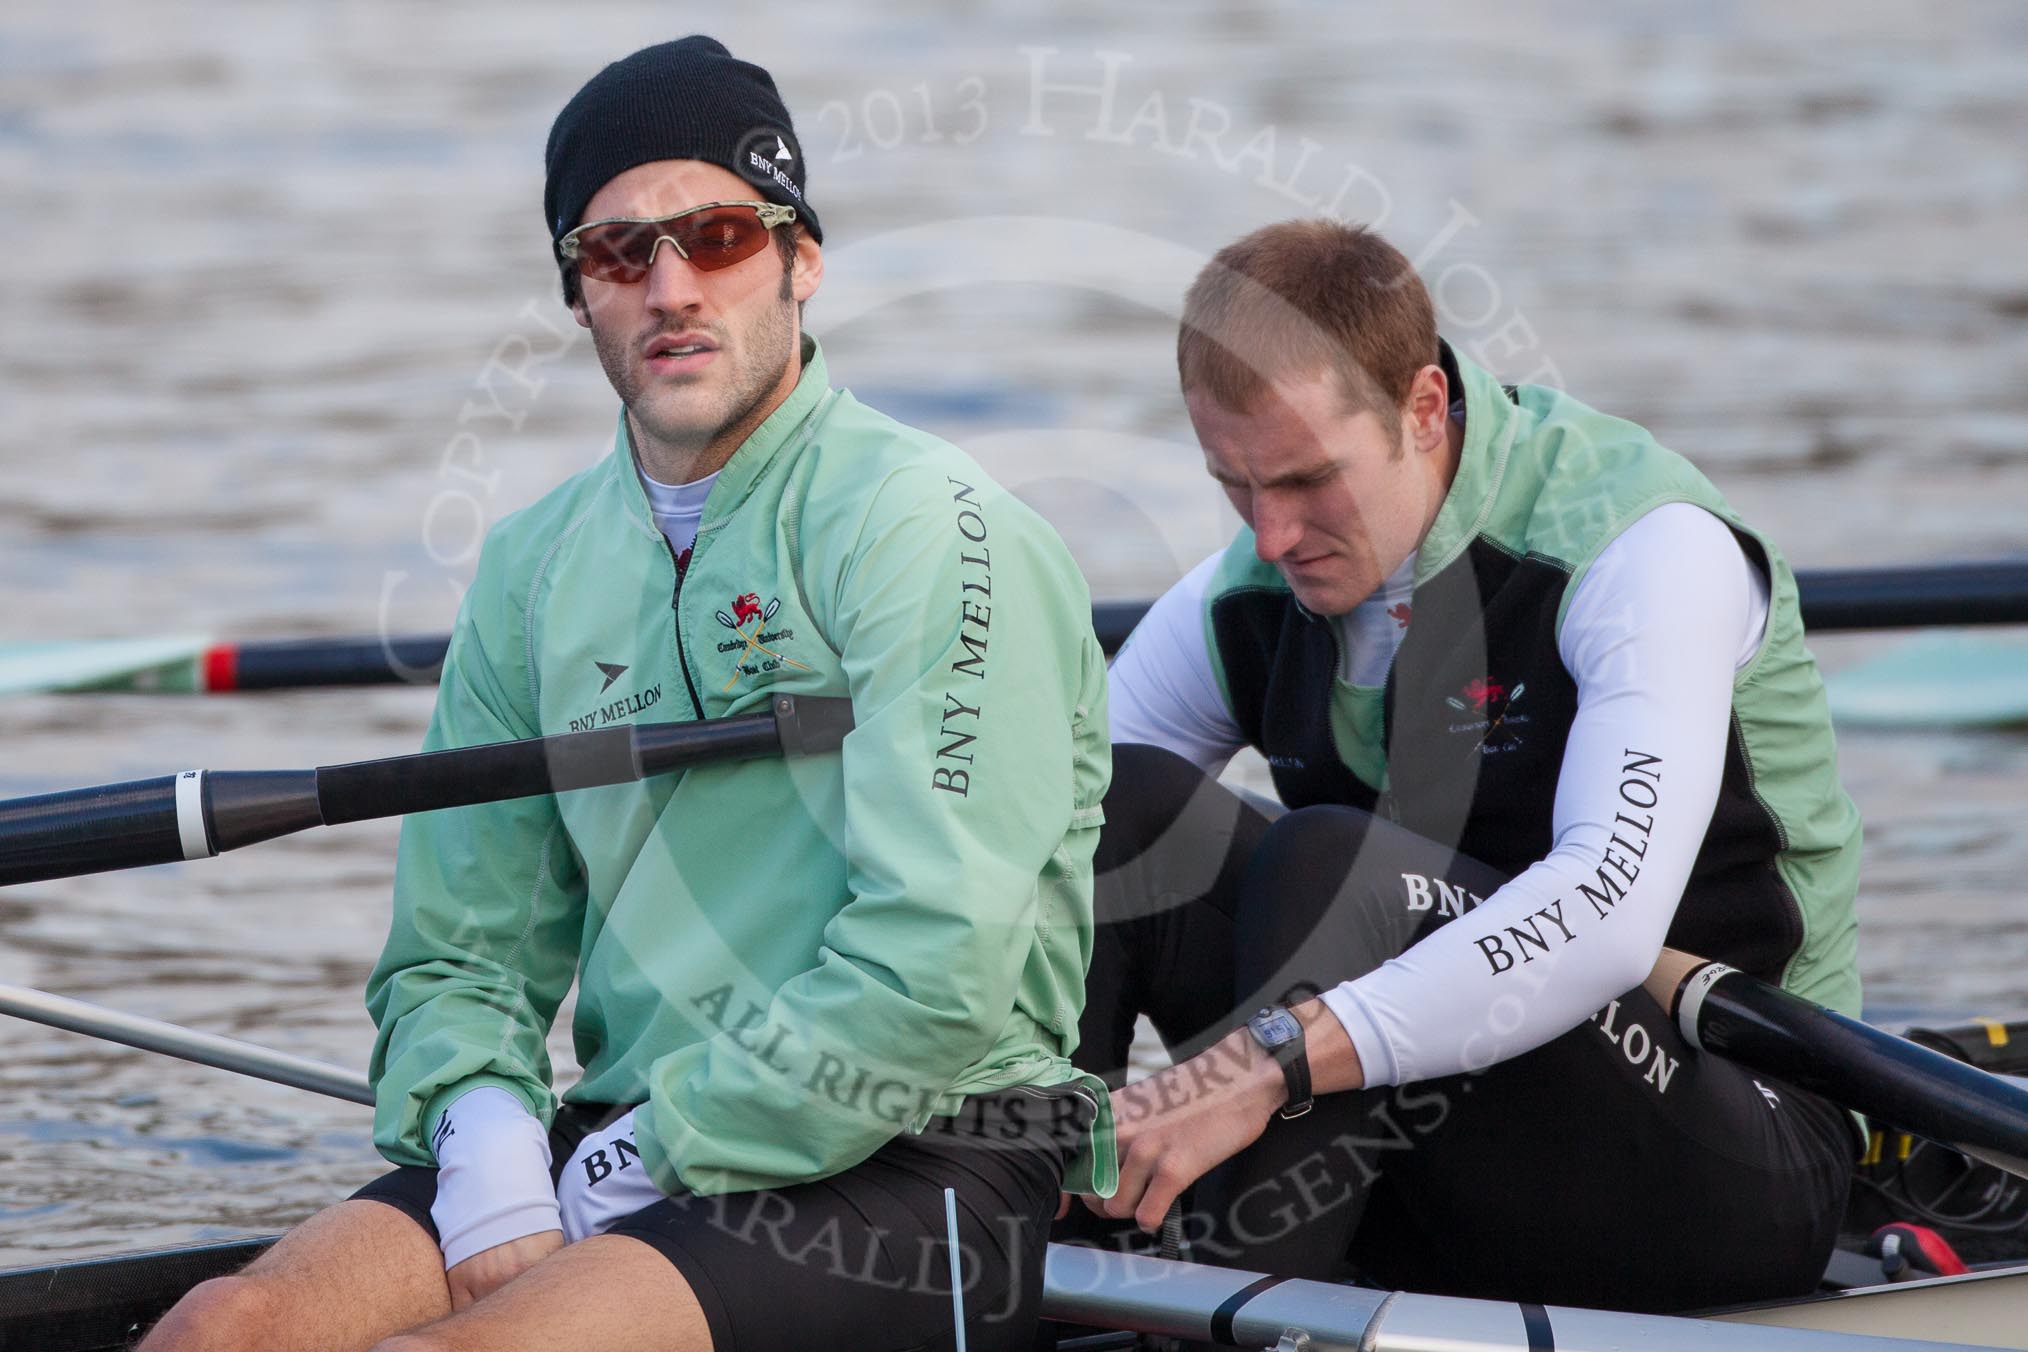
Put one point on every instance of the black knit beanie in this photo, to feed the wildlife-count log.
(685, 100)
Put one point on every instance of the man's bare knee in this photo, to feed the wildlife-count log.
(600, 1292)
(348, 1275)
(225, 1312)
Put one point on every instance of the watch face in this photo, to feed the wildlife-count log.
(1276, 1027)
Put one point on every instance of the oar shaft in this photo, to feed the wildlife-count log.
(206, 1049)
(111, 826)
(1832, 599)
(201, 813)
(1994, 592)
(289, 664)
(624, 752)
(1851, 1063)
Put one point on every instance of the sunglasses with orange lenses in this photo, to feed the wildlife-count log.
(709, 237)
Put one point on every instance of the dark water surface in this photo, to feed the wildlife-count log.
(280, 336)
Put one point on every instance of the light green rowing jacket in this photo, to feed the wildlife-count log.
(786, 963)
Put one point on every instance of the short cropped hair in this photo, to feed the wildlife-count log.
(1300, 297)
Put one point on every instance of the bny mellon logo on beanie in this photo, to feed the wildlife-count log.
(768, 157)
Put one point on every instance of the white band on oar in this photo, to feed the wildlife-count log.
(190, 815)
(1695, 988)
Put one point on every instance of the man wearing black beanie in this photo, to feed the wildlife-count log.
(674, 124)
(819, 1002)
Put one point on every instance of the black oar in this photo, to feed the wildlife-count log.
(1832, 599)
(284, 664)
(202, 812)
(1993, 592)
(1855, 1064)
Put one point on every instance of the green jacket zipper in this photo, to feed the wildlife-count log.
(676, 618)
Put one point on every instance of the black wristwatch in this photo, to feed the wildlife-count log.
(1280, 1035)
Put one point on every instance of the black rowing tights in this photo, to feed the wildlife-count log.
(1577, 1173)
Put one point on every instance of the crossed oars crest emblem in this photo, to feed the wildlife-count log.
(748, 607)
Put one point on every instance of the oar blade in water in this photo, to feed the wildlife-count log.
(1939, 680)
(156, 664)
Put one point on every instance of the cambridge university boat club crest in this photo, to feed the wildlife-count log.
(749, 620)
(1488, 706)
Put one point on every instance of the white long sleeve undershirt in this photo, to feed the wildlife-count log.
(492, 1175)
(678, 508)
(1667, 615)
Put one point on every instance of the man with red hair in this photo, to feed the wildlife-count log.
(1539, 703)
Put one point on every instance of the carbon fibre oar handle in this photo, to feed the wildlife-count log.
(459, 776)
(1919, 1090)
(200, 813)
(807, 726)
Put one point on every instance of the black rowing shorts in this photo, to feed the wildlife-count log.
(858, 1260)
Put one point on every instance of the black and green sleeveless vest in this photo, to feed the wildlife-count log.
(1464, 742)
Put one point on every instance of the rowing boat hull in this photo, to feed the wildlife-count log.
(1986, 1308)
(102, 1304)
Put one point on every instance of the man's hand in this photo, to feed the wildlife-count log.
(488, 1270)
(1176, 1126)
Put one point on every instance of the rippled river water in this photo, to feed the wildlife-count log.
(280, 336)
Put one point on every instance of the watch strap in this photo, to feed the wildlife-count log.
(1290, 1053)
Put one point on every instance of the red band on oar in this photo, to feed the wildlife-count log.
(1918, 1246)
(221, 668)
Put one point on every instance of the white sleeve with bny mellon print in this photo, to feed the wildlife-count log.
(1666, 616)
(1653, 637)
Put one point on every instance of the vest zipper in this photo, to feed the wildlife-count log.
(1383, 797)
(1386, 796)
(676, 618)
